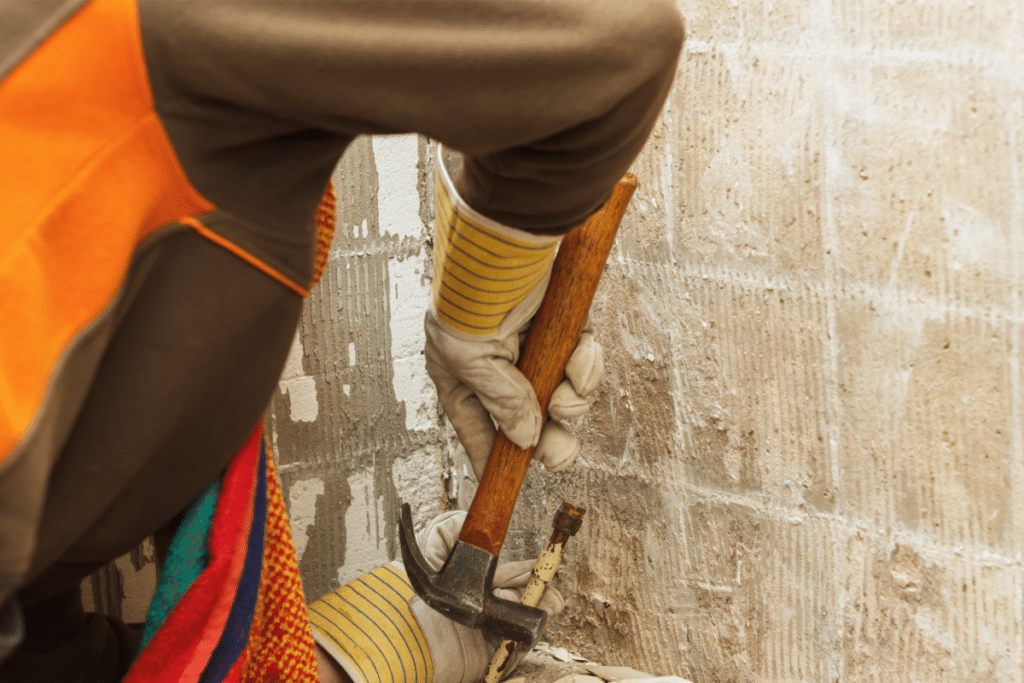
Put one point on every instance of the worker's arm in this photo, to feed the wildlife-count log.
(551, 100)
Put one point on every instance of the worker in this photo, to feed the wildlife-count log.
(162, 163)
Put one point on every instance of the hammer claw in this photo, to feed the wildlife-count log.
(462, 589)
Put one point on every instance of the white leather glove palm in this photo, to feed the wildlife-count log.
(379, 631)
(489, 280)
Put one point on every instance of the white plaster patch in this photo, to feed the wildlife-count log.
(293, 364)
(414, 388)
(138, 586)
(419, 481)
(300, 387)
(853, 101)
(733, 461)
(302, 398)
(893, 318)
(409, 300)
(731, 232)
(365, 549)
(302, 498)
(977, 240)
(398, 201)
(398, 206)
(639, 347)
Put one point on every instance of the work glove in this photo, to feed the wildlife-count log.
(489, 280)
(378, 630)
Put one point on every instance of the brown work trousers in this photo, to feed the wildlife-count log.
(549, 100)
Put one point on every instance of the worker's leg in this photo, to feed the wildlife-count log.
(58, 633)
(184, 381)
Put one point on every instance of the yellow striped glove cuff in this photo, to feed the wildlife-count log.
(368, 627)
(482, 269)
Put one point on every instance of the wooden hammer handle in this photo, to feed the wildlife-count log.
(552, 339)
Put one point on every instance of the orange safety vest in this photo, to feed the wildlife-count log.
(88, 173)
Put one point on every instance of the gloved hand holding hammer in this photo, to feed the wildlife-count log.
(489, 280)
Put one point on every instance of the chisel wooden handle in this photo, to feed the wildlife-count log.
(552, 339)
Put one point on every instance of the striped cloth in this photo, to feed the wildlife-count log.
(229, 605)
(482, 269)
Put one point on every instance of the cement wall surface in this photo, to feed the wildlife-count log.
(802, 462)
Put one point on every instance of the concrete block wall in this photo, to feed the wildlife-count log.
(806, 460)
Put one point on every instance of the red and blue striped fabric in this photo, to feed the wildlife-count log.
(243, 618)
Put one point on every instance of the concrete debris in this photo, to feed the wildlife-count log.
(643, 678)
(559, 653)
(616, 673)
(581, 667)
(580, 678)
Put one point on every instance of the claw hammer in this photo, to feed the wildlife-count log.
(461, 590)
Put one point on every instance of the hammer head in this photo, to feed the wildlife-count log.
(462, 591)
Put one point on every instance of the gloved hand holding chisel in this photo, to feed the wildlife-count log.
(400, 638)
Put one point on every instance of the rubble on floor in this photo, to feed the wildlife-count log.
(550, 664)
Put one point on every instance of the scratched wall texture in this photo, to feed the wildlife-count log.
(803, 462)
(806, 460)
